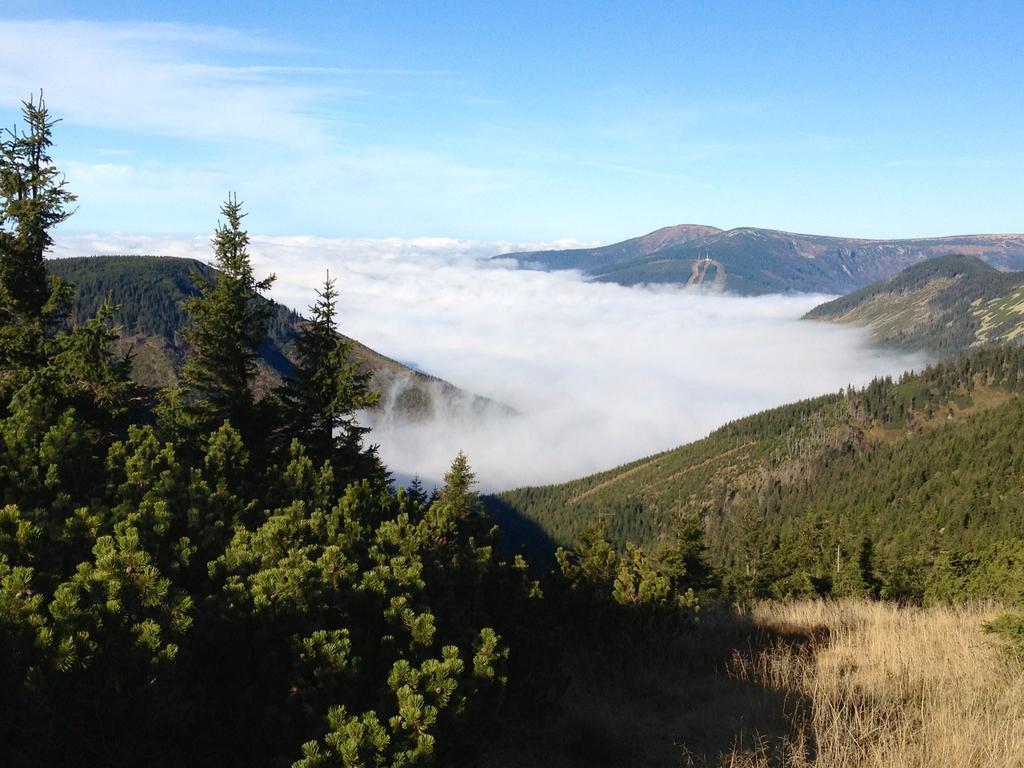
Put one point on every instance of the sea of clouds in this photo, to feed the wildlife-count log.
(598, 374)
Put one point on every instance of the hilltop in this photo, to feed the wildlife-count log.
(754, 261)
(944, 306)
(149, 291)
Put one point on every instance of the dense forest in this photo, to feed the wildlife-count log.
(896, 483)
(149, 294)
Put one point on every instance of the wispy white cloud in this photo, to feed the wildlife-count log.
(172, 80)
(191, 112)
(601, 374)
(333, 190)
(152, 78)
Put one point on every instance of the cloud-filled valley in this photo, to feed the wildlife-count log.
(598, 374)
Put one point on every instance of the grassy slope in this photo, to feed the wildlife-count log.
(150, 289)
(944, 306)
(884, 686)
(928, 463)
(791, 685)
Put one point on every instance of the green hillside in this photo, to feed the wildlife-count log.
(944, 306)
(754, 261)
(149, 291)
(926, 465)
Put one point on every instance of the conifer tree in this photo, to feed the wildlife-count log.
(325, 389)
(229, 324)
(591, 566)
(856, 577)
(458, 495)
(33, 199)
(456, 518)
(53, 379)
(416, 491)
(639, 581)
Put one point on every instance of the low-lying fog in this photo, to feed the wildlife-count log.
(599, 374)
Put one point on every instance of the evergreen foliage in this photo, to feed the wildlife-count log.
(894, 477)
(229, 325)
(325, 388)
(33, 199)
(150, 293)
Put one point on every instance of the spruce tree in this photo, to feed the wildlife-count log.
(325, 389)
(455, 517)
(228, 326)
(33, 199)
(592, 565)
(856, 577)
(416, 491)
(458, 495)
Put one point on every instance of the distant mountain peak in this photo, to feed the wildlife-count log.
(752, 261)
(679, 233)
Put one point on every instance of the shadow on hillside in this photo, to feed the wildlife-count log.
(520, 534)
(662, 700)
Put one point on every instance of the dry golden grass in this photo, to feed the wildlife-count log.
(790, 685)
(887, 687)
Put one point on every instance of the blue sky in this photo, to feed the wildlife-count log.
(530, 121)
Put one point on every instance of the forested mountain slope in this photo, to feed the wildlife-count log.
(755, 261)
(944, 306)
(929, 464)
(149, 291)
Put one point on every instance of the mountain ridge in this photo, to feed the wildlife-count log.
(754, 261)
